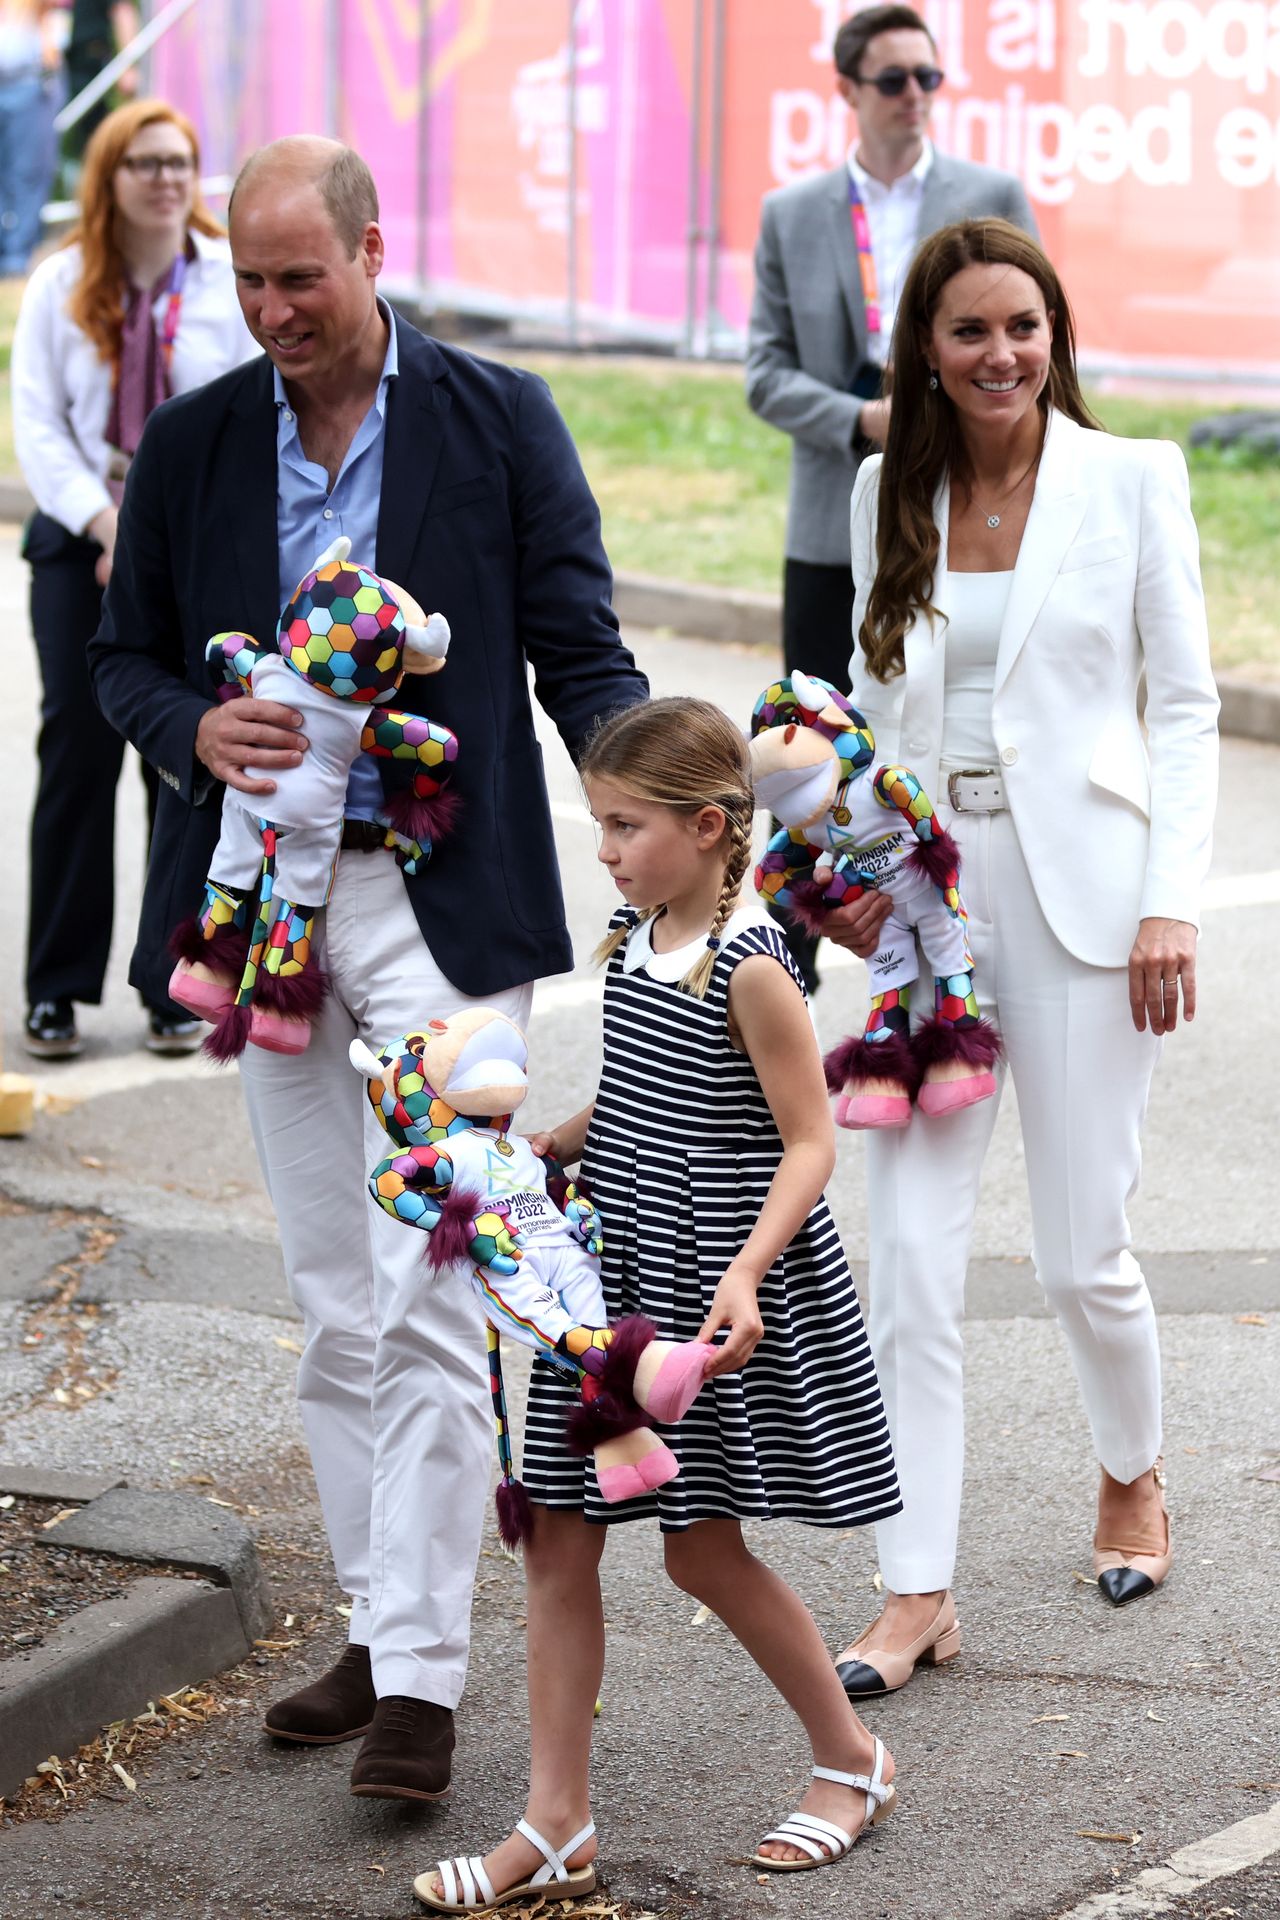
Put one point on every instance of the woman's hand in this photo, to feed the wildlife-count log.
(736, 1307)
(857, 924)
(1164, 955)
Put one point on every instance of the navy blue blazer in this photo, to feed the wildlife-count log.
(486, 516)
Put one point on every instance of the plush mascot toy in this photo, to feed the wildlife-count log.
(344, 641)
(531, 1243)
(847, 828)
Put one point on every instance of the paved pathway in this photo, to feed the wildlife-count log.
(1061, 1722)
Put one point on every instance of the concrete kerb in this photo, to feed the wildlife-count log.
(107, 1661)
(1249, 708)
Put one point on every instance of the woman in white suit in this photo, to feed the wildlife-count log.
(1017, 571)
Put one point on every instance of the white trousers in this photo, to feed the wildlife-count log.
(393, 1380)
(1082, 1075)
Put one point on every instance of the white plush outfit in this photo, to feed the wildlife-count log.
(306, 808)
(557, 1283)
(1100, 829)
(880, 843)
(393, 1383)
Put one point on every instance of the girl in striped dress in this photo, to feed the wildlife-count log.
(706, 1150)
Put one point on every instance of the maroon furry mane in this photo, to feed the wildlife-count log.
(860, 1059)
(937, 1040)
(423, 820)
(515, 1515)
(230, 1037)
(224, 951)
(295, 996)
(938, 859)
(449, 1242)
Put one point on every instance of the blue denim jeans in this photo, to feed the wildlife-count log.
(27, 158)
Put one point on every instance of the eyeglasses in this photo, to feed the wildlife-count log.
(149, 166)
(893, 80)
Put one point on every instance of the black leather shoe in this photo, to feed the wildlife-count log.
(50, 1030)
(407, 1752)
(338, 1706)
(166, 1034)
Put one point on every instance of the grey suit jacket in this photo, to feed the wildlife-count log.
(808, 331)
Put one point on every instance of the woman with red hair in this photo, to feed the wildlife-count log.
(138, 305)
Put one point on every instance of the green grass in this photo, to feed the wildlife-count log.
(692, 486)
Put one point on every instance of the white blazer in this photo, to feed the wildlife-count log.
(1114, 826)
(62, 389)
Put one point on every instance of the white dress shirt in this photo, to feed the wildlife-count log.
(62, 390)
(893, 215)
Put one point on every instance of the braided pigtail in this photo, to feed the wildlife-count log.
(737, 827)
(620, 934)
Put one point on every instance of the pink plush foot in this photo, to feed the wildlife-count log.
(276, 1033)
(939, 1097)
(644, 1476)
(859, 1110)
(199, 992)
(677, 1382)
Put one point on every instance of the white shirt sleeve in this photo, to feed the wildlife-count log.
(66, 482)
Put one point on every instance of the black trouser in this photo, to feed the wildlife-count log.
(72, 889)
(817, 637)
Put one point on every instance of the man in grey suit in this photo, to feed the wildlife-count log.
(831, 259)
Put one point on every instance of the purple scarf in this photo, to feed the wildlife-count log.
(142, 376)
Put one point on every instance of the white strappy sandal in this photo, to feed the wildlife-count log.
(468, 1888)
(822, 1840)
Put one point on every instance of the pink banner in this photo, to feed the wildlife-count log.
(1147, 133)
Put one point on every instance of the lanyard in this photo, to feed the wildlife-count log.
(866, 259)
(173, 309)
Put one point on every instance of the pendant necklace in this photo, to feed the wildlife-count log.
(993, 519)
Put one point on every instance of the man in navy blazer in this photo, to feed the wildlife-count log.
(458, 479)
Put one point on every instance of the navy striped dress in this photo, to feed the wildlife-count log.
(679, 1157)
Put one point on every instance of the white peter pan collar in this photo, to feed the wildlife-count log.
(673, 966)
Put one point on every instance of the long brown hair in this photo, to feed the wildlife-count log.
(684, 754)
(97, 302)
(924, 444)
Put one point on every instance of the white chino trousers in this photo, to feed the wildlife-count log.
(393, 1379)
(1082, 1075)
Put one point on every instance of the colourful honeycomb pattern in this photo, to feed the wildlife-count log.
(288, 947)
(839, 720)
(408, 736)
(220, 909)
(406, 1106)
(890, 1015)
(898, 788)
(232, 657)
(264, 914)
(955, 1000)
(344, 633)
(784, 873)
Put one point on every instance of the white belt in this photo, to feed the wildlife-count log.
(976, 790)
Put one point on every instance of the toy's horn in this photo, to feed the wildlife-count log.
(336, 550)
(426, 645)
(812, 698)
(365, 1061)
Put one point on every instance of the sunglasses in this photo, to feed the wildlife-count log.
(893, 80)
(151, 165)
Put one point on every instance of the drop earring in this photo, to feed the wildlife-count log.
(933, 381)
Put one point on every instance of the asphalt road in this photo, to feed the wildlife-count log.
(136, 1195)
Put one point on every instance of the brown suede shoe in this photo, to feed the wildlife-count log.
(338, 1706)
(408, 1751)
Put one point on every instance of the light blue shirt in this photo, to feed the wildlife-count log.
(310, 515)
